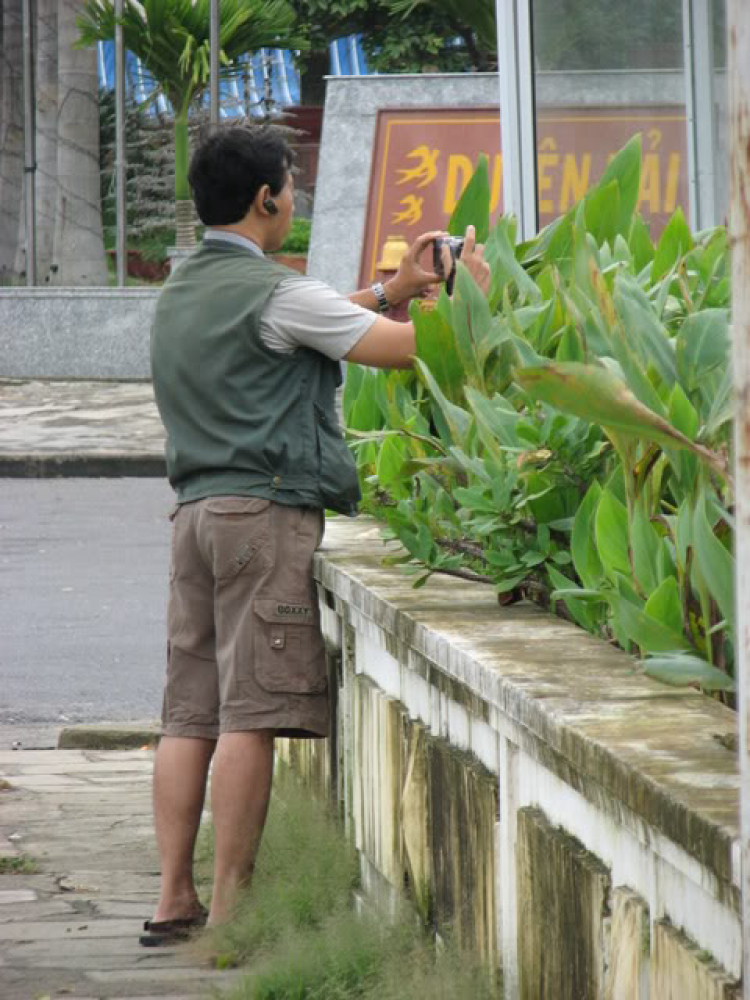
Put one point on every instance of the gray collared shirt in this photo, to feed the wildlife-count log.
(305, 312)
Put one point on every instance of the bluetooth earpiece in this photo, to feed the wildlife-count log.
(270, 206)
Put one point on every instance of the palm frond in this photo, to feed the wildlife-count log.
(172, 37)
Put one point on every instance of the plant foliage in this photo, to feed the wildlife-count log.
(566, 438)
(172, 40)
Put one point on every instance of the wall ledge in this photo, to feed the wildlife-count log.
(574, 702)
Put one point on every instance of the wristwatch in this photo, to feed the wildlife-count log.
(379, 293)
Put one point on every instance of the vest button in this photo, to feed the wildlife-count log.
(276, 480)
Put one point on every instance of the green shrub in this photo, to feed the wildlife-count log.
(298, 237)
(566, 437)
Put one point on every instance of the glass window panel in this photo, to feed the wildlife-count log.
(604, 72)
(721, 95)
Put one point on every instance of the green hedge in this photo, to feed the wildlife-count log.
(566, 438)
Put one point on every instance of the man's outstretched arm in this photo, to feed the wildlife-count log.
(388, 344)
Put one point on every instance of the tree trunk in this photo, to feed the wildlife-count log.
(183, 206)
(46, 135)
(11, 136)
(312, 85)
(78, 242)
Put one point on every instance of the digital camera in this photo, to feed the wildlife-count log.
(455, 244)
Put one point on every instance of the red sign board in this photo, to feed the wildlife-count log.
(423, 159)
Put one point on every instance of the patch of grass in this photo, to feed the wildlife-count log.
(304, 870)
(297, 929)
(351, 958)
(21, 864)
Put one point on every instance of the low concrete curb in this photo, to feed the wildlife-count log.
(110, 737)
(71, 465)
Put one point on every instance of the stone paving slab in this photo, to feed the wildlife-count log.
(79, 429)
(70, 927)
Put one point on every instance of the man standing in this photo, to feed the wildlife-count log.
(245, 363)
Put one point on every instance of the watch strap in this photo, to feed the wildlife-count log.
(379, 293)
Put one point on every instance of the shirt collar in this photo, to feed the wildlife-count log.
(227, 237)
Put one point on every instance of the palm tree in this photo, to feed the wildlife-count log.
(171, 38)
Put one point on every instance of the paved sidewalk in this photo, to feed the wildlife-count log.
(79, 429)
(78, 866)
(70, 927)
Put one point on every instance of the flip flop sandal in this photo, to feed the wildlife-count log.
(160, 933)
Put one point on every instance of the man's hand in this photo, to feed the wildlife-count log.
(472, 257)
(412, 278)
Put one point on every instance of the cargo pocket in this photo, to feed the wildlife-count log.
(289, 650)
(238, 533)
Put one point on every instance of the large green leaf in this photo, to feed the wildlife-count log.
(390, 461)
(496, 416)
(597, 395)
(579, 607)
(702, 346)
(682, 669)
(602, 212)
(675, 242)
(473, 208)
(362, 409)
(685, 419)
(472, 322)
(625, 168)
(651, 635)
(643, 327)
(612, 536)
(664, 605)
(586, 559)
(501, 257)
(436, 346)
(722, 406)
(640, 245)
(453, 422)
(645, 546)
(715, 563)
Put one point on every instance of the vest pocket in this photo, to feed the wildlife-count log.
(289, 649)
(337, 472)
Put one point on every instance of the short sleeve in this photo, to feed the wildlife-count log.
(305, 312)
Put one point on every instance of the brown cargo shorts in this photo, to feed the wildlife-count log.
(244, 651)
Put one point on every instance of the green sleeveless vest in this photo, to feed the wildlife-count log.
(240, 417)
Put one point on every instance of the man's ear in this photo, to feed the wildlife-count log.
(262, 200)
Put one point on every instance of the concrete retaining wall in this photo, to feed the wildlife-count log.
(574, 821)
(75, 333)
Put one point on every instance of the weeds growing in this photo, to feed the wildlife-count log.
(297, 928)
(19, 865)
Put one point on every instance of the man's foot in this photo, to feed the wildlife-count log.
(165, 932)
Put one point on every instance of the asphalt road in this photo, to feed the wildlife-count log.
(83, 589)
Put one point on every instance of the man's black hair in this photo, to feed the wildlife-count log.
(229, 168)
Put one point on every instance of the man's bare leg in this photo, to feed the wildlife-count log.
(180, 772)
(240, 791)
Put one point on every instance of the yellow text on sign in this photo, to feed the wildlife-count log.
(564, 178)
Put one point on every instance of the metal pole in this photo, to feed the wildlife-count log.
(29, 123)
(214, 64)
(738, 23)
(518, 112)
(698, 36)
(120, 153)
